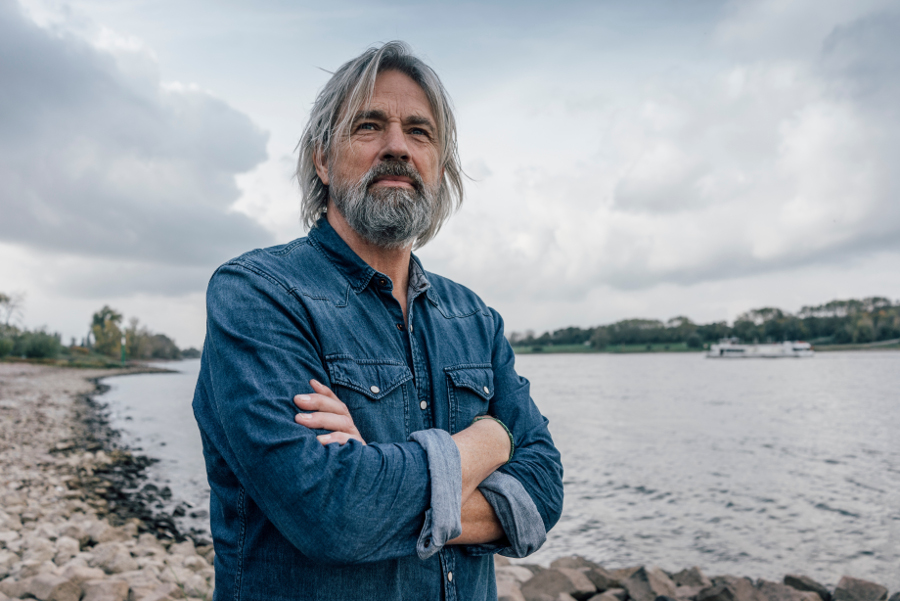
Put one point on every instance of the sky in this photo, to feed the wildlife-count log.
(625, 158)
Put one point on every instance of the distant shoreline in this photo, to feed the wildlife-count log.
(556, 349)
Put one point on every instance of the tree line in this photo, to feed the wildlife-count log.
(837, 322)
(105, 336)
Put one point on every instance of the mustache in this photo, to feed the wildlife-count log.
(396, 169)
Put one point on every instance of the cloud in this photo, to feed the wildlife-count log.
(99, 158)
(769, 158)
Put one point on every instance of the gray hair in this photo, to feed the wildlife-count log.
(351, 88)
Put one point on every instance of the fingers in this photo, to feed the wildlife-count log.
(321, 402)
(326, 421)
(338, 437)
(322, 389)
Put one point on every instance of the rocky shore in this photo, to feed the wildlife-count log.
(77, 521)
(75, 514)
(577, 579)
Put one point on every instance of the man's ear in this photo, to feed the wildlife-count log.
(321, 165)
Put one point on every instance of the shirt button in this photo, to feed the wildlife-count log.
(401, 327)
(427, 542)
(486, 390)
(423, 405)
(449, 576)
(374, 389)
(383, 282)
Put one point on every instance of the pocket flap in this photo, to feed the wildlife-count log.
(479, 380)
(371, 378)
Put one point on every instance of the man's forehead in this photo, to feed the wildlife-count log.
(396, 92)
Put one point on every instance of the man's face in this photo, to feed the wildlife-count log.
(384, 177)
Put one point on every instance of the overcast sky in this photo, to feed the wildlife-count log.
(629, 159)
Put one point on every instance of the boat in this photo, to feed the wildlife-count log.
(730, 348)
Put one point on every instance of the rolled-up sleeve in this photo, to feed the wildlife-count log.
(518, 516)
(442, 519)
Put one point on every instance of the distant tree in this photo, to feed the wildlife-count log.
(191, 353)
(694, 341)
(11, 307)
(105, 328)
(38, 344)
(600, 338)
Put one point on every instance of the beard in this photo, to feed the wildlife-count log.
(388, 217)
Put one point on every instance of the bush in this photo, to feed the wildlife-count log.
(693, 341)
(6, 346)
(37, 345)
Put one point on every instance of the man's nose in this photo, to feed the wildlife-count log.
(395, 144)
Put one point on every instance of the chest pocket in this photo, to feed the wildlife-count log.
(376, 394)
(470, 389)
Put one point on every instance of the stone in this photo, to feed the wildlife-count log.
(186, 548)
(729, 588)
(548, 584)
(805, 583)
(15, 588)
(855, 589)
(894, 597)
(607, 595)
(647, 585)
(48, 587)
(574, 562)
(8, 537)
(113, 558)
(166, 591)
(691, 577)
(688, 592)
(196, 586)
(73, 531)
(3, 597)
(109, 589)
(774, 591)
(508, 591)
(81, 574)
(7, 559)
(622, 574)
(516, 574)
(195, 563)
(66, 548)
(603, 579)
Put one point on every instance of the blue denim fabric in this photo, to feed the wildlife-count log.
(293, 519)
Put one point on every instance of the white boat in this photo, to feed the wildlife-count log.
(728, 348)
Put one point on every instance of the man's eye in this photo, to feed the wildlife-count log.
(367, 126)
(420, 132)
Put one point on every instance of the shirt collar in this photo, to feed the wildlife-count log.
(351, 266)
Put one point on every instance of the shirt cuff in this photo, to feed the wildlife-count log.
(518, 516)
(443, 519)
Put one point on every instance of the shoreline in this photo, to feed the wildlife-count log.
(76, 519)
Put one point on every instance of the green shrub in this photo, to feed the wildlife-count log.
(37, 345)
(6, 346)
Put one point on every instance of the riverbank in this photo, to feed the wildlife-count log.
(69, 527)
(76, 520)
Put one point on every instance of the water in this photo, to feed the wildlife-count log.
(749, 467)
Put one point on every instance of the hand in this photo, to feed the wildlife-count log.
(330, 414)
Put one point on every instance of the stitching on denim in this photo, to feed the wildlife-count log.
(363, 284)
(240, 570)
(289, 247)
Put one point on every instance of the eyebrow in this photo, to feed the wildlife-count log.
(377, 115)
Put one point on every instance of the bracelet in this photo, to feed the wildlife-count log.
(512, 441)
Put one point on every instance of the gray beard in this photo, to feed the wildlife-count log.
(386, 217)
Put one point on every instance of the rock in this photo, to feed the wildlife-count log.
(508, 591)
(622, 574)
(3, 597)
(66, 548)
(109, 589)
(691, 577)
(73, 531)
(113, 558)
(7, 559)
(516, 574)
(688, 592)
(608, 595)
(573, 562)
(195, 563)
(8, 537)
(854, 589)
(729, 588)
(15, 588)
(186, 548)
(647, 585)
(773, 591)
(166, 591)
(196, 586)
(499, 561)
(48, 587)
(603, 579)
(548, 584)
(894, 597)
(805, 583)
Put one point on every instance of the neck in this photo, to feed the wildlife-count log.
(392, 262)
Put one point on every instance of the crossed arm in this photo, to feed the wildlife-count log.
(483, 447)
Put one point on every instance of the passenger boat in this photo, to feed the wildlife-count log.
(728, 348)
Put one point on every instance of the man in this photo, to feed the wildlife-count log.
(417, 452)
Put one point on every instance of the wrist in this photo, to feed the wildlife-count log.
(507, 442)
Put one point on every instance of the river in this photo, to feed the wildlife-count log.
(748, 467)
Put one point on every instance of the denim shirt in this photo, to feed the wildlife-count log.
(293, 519)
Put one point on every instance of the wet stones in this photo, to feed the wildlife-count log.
(563, 581)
